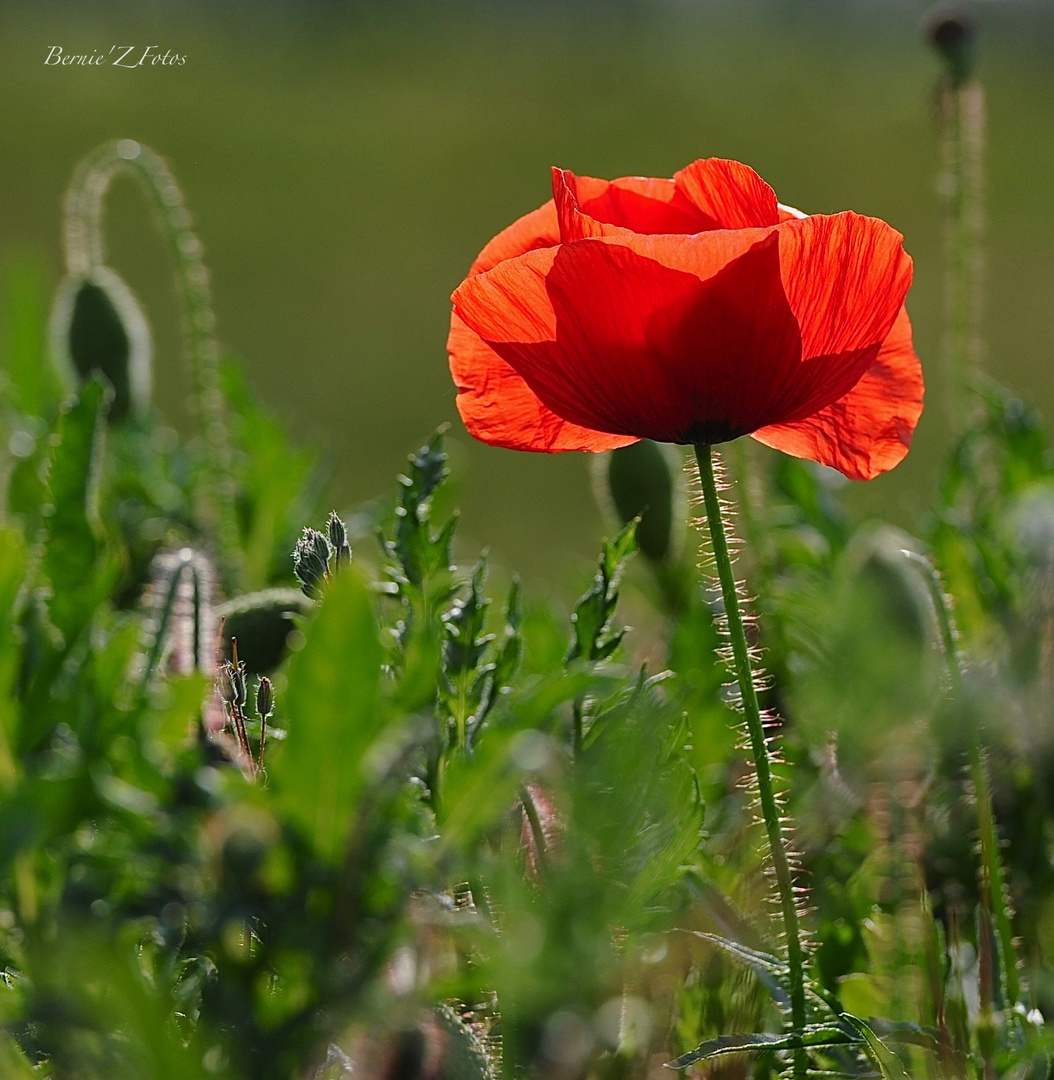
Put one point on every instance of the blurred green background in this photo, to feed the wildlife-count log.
(345, 162)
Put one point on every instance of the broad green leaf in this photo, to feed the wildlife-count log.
(174, 723)
(32, 381)
(73, 545)
(332, 715)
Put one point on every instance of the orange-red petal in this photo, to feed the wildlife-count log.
(869, 430)
(695, 338)
(495, 404)
(586, 206)
(709, 194)
(729, 193)
(653, 352)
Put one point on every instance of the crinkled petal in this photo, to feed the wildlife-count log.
(846, 278)
(728, 193)
(869, 430)
(495, 404)
(586, 206)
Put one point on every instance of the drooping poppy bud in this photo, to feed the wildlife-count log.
(98, 327)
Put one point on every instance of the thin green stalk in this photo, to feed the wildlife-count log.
(962, 110)
(993, 878)
(577, 733)
(85, 250)
(758, 746)
(531, 810)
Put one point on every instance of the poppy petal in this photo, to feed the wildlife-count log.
(657, 352)
(587, 206)
(495, 404)
(729, 193)
(846, 277)
(537, 229)
(868, 431)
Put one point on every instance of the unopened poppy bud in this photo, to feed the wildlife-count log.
(338, 540)
(265, 698)
(97, 326)
(954, 35)
(644, 479)
(236, 677)
(311, 561)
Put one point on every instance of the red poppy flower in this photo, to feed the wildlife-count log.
(690, 310)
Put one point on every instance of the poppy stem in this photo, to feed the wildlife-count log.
(758, 744)
(86, 251)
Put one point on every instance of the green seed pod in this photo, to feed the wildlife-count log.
(645, 479)
(261, 622)
(97, 326)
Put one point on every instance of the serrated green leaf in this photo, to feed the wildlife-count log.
(593, 639)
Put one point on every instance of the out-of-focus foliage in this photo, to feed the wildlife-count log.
(373, 815)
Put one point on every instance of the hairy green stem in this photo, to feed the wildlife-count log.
(962, 108)
(758, 745)
(992, 875)
(85, 250)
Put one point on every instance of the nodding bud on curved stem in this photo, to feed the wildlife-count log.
(97, 325)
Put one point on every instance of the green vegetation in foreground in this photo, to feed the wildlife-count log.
(278, 800)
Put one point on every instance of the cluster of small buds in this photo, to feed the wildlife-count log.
(317, 553)
(311, 561)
